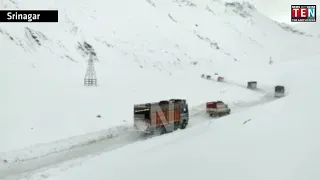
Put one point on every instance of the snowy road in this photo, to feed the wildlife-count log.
(60, 157)
(23, 168)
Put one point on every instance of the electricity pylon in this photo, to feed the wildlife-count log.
(90, 79)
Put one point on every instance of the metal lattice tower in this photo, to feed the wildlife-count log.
(90, 78)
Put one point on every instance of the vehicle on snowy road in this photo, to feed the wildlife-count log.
(252, 85)
(279, 91)
(162, 116)
(217, 108)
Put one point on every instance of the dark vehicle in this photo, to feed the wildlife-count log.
(162, 117)
(279, 91)
(252, 85)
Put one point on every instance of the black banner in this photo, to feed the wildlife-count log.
(29, 16)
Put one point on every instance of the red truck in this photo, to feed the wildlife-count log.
(217, 108)
(162, 116)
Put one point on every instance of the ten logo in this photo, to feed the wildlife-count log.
(303, 13)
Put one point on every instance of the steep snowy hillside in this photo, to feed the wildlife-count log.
(280, 10)
(146, 51)
(278, 140)
(311, 28)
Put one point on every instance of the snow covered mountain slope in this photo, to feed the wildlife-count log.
(280, 10)
(277, 140)
(146, 51)
(311, 28)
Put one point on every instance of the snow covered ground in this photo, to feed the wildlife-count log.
(45, 154)
(149, 51)
(275, 140)
(311, 28)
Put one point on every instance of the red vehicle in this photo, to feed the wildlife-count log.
(220, 79)
(217, 108)
(162, 117)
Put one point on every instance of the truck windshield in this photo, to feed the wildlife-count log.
(185, 109)
(279, 89)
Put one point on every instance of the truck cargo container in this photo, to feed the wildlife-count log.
(162, 116)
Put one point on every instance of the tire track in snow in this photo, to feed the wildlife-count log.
(197, 115)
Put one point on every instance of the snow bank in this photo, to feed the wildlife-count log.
(42, 150)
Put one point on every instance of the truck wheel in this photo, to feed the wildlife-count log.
(162, 130)
(176, 125)
(184, 124)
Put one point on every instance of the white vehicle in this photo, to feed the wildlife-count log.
(218, 77)
(217, 108)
